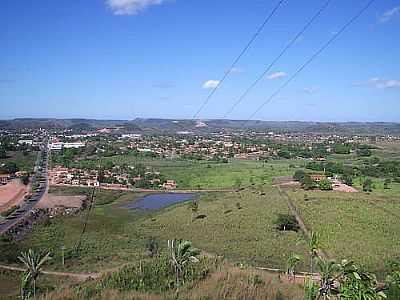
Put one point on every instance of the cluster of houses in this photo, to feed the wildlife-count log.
(6, 178)
(110, 179)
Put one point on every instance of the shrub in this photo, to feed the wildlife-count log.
(325, 185)
(152, 247)
(156, 275)
(367, 185)
(299, 175)
(286, 222)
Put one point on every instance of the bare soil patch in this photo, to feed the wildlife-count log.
(12, 194)
(341, 187)
(53, 201)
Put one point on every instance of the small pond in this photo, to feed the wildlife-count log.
(160, 200)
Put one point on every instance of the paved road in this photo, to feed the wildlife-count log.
(27, 206)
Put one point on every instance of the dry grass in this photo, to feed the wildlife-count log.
(228, 283)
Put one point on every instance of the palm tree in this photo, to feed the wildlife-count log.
(313, 245)
(182, 253)
(33, 262)
(24, 284)
(329, 271)
(292, 261)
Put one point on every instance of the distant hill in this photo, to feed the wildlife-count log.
(173, 125)
(75, 124)
(381, 128)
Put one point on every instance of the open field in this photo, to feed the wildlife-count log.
(378, 187)
(246, 235)
(23, 162)
(208, 174)
(10, 282)
(389, 150)
(354, 226)
(115, 236)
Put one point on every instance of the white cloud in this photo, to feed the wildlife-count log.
(210, 84)
(130, 7)
(276, 75)
(310, 90)
(389, 14)
(381, 83)
(236, 70)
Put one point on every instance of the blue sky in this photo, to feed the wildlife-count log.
(123, 59)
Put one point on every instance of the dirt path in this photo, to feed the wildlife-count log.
(295, 211)
(79, 276)
(147, 190)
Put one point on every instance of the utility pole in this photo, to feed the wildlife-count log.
(62, 255)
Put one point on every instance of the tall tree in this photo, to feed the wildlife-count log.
(292, 262)
(33, 261)
(313, 245)
(182, 253)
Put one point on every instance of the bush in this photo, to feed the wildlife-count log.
(325, 185)
(367, 185)
(347, 179)
(152, 247)
(307, 183)
(299, 175)
(156, 275)
(286, 222)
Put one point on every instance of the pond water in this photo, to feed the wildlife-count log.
(158, 201)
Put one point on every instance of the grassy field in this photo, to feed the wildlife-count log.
(359, 226)
(247, 235)
(23, 162)
(10, 284)
(115, 235)
(203, 174)
(378, 187)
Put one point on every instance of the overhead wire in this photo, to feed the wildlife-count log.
(276, 59)
(313, 57)
(236, 60)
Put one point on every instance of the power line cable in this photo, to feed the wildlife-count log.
(92, 199)
(314, 56)
(286, 48)
(253, 38)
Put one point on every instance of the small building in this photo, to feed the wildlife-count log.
(318, 177)
(92, 182)
(21, 174)
(5, 178)
(169, 185)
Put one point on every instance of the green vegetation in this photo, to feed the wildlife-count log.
(202, 174)
(325, 185)
(33, 262)
(18, 161)
(354, 226)
(286, 222)
(240, 235)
